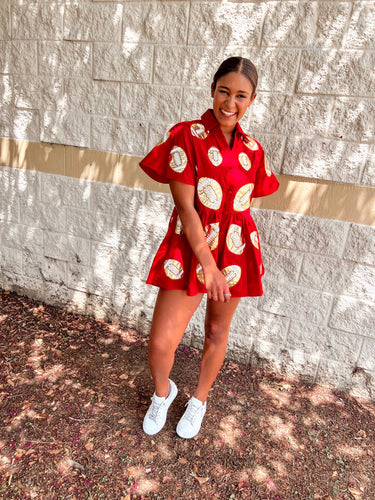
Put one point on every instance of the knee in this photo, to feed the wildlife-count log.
(160, 347)
(216, 333)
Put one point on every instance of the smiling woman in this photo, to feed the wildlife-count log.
(214, 169)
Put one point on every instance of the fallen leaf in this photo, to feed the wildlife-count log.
(182, 460)
(356, 493)
(89, 445)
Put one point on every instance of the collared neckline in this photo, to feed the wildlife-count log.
(209, 121)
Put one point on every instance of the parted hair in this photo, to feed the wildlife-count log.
(237, 65)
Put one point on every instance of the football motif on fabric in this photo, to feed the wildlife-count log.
(178, 229)
(164, 139)
(199, 273)
(215, 156)
(234, 239)
(210, 193)
(254, 239)
(198, 130)
(173, 269)
(267, 168)
(177, 159)
(250, 143)
(232, 274)
(212, 235)
(245, 161)
(242, 199)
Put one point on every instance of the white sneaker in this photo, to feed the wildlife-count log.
(191, 420)
(156, 415)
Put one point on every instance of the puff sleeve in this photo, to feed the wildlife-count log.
(172, 158)
(265, 181)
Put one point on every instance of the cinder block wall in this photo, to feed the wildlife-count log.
(87, 87)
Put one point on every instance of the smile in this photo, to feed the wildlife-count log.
(225, 113)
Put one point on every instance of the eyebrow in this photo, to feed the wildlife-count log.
(238, 91)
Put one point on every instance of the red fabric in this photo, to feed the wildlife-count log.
(198, 154)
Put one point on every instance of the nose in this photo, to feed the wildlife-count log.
(230, 102)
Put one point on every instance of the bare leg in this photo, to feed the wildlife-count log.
(173, 310)
(218, 319)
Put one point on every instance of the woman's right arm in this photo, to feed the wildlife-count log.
(216, 284)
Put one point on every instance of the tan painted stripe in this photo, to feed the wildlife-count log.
(329, 200)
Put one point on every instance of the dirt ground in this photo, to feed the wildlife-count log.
(73, 393)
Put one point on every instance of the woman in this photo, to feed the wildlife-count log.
(213, 169)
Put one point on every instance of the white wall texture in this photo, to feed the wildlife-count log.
(112, 76)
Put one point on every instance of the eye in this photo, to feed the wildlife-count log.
(223, 92)
(242, 96)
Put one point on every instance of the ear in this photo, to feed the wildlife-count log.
(212, 89)
(252, 99)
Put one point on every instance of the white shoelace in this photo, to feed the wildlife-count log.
(191, 412)
(155, 408)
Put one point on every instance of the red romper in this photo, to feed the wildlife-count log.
(225, 181)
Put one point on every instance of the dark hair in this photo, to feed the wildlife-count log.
(238, 65)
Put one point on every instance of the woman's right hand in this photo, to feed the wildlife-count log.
(216, 285)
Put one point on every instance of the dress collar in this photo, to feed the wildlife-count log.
(209, 121)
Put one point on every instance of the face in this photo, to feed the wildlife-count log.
(232, 96)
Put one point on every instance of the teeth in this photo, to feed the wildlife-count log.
(227, 114)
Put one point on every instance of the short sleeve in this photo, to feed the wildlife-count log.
(265, 181)
(172, 158)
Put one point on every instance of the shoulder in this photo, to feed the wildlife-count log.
(252, 144)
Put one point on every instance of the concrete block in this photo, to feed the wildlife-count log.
(37, 21)
(162, 23)
(249, 321)
(295, 302)
(309, 234)
(93, 97)
(324, 159)
(33, 213)
(352, 315)
(353, 119)
(119, 135)
(10, 259)
(361, 32)
(44, 268)
(9, 207)
(195, 102)
(367, 357)
(65, 191)
(65, 59)
(90, 280)
(19, 57)
(336, 72)
(65, 247)
(35, 92)
(121, 200)
(263, 221)
(190, 66)
(62, 126)
(87, 21)
(332, 344)
(104, 256)
(150, 103)
(95, 225)
(19, 124)
(288, 115)
(335, 374)
(362, 282)
(281, 264)
(368, 177)
(20, 183)
(5, 21)
(326, 274)
(273, 146)
(122, 62)
(360, 244)
(301, 24)
(21, 237)
(276, 68)
(223, 24)
(239, 348)
(6, 89)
